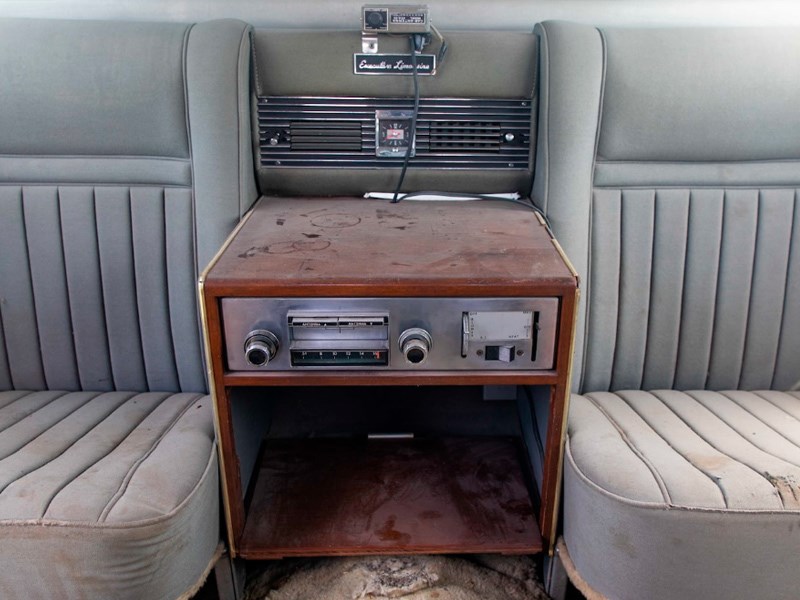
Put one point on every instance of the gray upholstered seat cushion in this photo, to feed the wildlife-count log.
(700, 490)
(88, 480)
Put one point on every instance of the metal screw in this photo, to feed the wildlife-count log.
(479, 353)
(520, 353)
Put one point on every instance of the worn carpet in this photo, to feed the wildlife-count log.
(418, 577)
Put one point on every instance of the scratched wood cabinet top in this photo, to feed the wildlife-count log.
(354, 246)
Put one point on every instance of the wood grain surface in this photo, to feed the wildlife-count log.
(324, 497)
(357, 247)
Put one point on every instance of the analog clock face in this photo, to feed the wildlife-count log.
(394, 137)
(395, 133)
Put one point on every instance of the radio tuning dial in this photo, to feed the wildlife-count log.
(260, 347)
(415, 344)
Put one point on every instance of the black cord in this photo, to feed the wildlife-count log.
(525, 203)
(415, 40)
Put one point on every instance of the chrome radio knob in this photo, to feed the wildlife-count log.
(415, 344)
(260, 347)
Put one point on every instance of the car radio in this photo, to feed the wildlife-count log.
(390, 333)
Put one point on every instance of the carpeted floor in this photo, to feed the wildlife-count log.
(418, 577)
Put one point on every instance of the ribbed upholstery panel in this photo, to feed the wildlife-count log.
(728, 318)
(703, 449)
(98, 287)
(80, 456)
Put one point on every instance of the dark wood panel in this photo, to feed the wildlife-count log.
(356, 247)
(349, 497)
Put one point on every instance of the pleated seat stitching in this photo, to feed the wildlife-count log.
(780, 408)
(725, 454)
(767, 425)
(689, 463)
(28, 395)
(117, 445)
(41, 433)
(132, 471)
(653, 471)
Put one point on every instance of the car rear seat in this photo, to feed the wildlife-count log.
(124, 163)
(668, 164)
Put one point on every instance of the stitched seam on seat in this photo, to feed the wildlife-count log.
(102, 288)
(135, 282)
(545, 74)
(135, 466)
(239, 121)
(713, 316)
(2, 429)
(682, 307)
(792, 242)
(40, 434)
(33, 287)
(67, 299)
(95, 157)
(587, 295)
(129, 525)
(650, 302)
(760, 420)
(789, 513)
(767, 399)
(6, 360)
(713, 479)
(173, 354)
(759, 208)
(110, 451)
(689, 463)
(765, 161)
(624, 436)
(722, 453)
(614, 354)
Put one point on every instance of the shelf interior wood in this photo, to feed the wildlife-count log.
(328, 497)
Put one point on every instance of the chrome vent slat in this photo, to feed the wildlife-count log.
(340, 132)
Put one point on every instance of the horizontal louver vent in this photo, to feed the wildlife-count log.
(453, 133)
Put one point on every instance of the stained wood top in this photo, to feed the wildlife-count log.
(325, 497)
(353, 246)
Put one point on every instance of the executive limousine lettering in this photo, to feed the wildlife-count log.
(393, 64)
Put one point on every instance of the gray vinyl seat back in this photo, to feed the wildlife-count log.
(124, 163)
(669, 170)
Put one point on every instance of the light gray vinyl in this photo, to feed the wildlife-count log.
(102, 108)
(700, 279)
(91, 170)
(748, 88)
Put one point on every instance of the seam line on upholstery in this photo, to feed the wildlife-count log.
(786, 291)
(753, 469)
(239, 121)
(40, 434)
(67, 298)
(750, 296)
(33, 287)
(682, 306)
(636, 451)
(102, 287)
(763, 422)
(713, 317)
(614, 354)
(140, 461)
(45, 405)
(697, 186)
(653, 242)
(545, 74)
(568, 458)
(667, 442)
(766, 161)
(588, 296)
(777, 406)
(101, 157)
(132, 428)
(173, 354)
(125, 525)
(136, 292)
(711, 477)
(6, 360)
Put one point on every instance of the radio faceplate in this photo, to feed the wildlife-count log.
(419, 334)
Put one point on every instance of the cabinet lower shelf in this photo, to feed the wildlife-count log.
(329, 497)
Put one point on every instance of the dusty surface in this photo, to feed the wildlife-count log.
(418, 577)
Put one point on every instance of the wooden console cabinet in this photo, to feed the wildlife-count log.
(309, 496)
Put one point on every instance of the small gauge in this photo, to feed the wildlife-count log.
(393, 135)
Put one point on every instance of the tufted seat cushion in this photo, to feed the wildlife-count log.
(88, 480)
(704, 491)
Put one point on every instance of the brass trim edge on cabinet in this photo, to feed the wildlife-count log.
(212, 388)
(565, 419)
